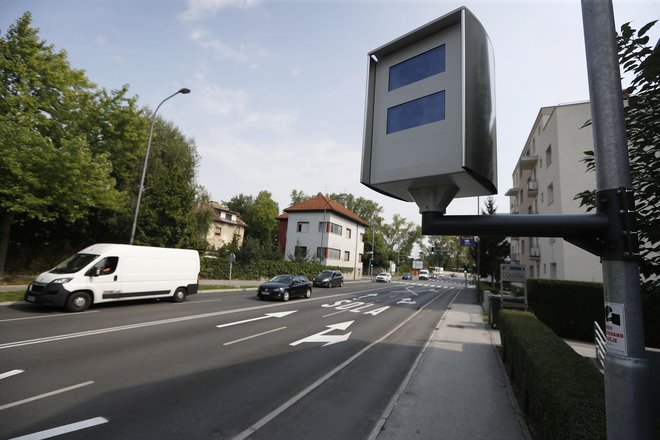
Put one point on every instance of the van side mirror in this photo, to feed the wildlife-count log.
(94, 272)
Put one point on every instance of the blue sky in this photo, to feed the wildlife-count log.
(278, 87)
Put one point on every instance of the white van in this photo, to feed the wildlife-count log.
(423, 274)
(117, 272)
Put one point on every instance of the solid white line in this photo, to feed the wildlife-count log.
(286, 405)
(63, 429)
(10, 373)
(253, 336)
(42, 396)
(48, 316)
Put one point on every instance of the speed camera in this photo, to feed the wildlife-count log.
(430, 114)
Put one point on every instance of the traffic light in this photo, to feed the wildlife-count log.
(465, 269)
(432, 250)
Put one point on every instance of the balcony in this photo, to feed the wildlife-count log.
(535, 252)
(528, 162)
(513, 192)
(532, 188)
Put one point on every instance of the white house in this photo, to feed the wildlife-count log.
(548, 175)
(323, 230)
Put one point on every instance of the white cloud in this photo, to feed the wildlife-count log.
(242, 54)
(198, 9)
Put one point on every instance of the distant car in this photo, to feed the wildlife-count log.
(384, 277)
(423, 274)
(406, 276)
(284, 287)
(329, 278)
(433, 276)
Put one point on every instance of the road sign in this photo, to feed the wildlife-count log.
(467, 240)
(430, 115)
(513, 272)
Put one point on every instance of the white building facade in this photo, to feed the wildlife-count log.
(323, 230)
(548, 175)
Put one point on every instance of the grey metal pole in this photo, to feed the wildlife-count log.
(146, 160)
(627, 373)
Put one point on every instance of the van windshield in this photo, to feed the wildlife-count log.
(74, 263)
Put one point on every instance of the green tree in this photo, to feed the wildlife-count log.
(167, 216)
(400, 237)
(297, 197)
(642, 116)
(491, 251)
(260, 213)
(48, 172)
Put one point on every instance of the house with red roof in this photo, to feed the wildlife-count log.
(323, 230)
(226, 226)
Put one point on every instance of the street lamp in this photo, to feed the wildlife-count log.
(183, 91)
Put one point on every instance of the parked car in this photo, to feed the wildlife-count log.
(329, 278)
(284, 287)
(384, 277)
(406, 276)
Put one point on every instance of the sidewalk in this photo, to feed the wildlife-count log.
(459, 389)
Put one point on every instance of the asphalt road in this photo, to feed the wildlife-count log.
(218, 366)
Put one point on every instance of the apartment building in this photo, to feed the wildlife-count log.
(548, 175)
(325, 231)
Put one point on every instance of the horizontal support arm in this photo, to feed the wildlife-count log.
(576, 226)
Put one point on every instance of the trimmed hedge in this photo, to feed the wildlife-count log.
(560, 391)
(569, 308)
(218, 269)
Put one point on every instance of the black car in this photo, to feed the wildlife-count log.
(329, 278)
(283, 287)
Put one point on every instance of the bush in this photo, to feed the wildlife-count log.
(569, 308)
(218, 268)
(560, 391)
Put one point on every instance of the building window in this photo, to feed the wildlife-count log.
(360, 258)
(348, 233)
(361, 238)
(330, 227)
(329, 253)
(551, 194)
(303, 227)
(218, 230)
(347, 256)
(548, 156)
(229, 216)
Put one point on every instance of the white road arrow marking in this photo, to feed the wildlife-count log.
(267, 315)
(406, 301)
(328, 339)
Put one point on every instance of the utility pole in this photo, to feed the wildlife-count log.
(627, 373)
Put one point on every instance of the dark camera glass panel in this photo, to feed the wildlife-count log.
(417, 68)
(417, 112)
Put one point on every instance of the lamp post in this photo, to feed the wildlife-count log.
(146, 160)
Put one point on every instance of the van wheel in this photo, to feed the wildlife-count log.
(179, 295)
(78, 301)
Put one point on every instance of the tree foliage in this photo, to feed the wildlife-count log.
(491, 251)
(260, 213)
(642, 115)
(71, 160)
